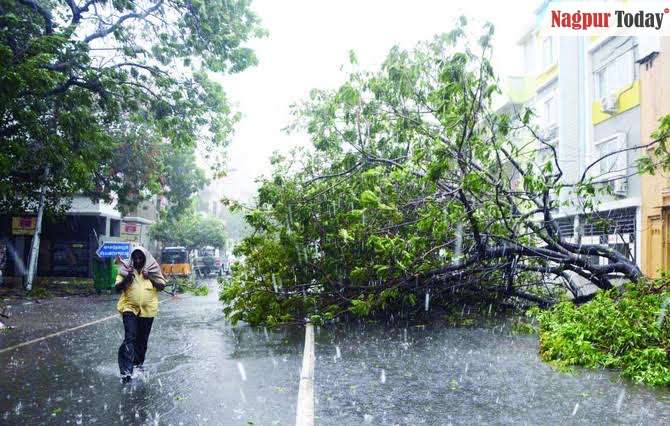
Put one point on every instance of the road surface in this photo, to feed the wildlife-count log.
(201, 370)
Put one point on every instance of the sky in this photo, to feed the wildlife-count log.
(309, 41)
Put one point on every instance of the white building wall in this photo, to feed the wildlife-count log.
(571, 120)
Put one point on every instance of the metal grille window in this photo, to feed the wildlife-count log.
(615, 228)
(566, 226)
(610, 222)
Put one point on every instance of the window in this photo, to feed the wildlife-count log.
(548, 57)
(528, 57)
(114, 228)
(550, 111)
(615, 75)
(611, 164)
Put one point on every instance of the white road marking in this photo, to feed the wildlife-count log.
(58, 333)
(305, 411)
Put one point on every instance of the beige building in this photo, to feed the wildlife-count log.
(655, 189)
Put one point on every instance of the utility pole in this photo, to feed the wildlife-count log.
(35, 247)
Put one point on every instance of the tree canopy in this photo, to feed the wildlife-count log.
(190, 229)
(95, 94)
(417, 193)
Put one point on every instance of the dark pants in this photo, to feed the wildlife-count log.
(134, 346)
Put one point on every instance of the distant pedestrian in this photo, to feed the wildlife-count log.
(139, 281)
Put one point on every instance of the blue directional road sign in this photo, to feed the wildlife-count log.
(113, 249)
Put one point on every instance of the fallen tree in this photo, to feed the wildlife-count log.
(625, 331)
(417, 189)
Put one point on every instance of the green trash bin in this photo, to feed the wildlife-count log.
(104, 274)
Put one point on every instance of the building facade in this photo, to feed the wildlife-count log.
(597, 100)
(655, 189)
(68, 242)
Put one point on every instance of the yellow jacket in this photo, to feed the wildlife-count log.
(140, 298)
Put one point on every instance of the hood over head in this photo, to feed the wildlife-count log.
(151, 266)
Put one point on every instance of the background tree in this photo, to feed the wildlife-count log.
(183, 179)
(190, 229)
(418, 193)
(95, 88)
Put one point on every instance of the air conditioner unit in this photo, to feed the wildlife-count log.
(609, 103)
(620, 186)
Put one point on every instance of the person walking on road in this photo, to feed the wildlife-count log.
(139, 282)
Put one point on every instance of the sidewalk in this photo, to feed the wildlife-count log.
(47, 287)
(32, 318)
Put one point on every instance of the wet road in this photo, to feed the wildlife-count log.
(200, 370)
(438, 375)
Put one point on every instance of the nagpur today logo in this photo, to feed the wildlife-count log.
(607, 18)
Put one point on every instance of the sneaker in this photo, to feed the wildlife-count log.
(140, 368)
(127, 378)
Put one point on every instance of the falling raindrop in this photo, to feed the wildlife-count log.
(458, 244)
(620, 399)
(338, 354)
(427, 301)
(382, 377)
(18, 263)
(662, 312)
(243, 373)
(574, 411)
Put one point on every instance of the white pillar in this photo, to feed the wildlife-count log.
(35, 249)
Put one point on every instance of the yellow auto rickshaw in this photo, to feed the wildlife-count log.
(175, 263)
